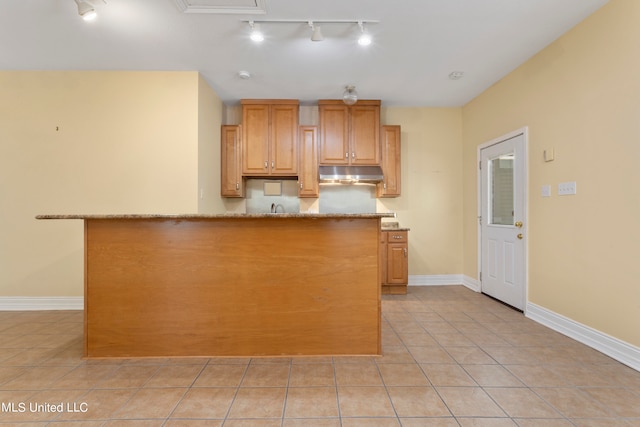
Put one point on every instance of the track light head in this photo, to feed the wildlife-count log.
(86, 10)
(317, 34)
(256, 34)
(365, 38)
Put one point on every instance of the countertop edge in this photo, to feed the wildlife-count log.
(214, 216)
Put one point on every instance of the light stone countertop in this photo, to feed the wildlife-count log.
(215, 216)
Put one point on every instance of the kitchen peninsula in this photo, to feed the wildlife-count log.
(231, 284)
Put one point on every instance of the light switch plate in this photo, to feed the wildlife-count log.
(549, 155)
(546, 191)
(567, 188)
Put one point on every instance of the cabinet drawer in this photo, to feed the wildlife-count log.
(397, 236)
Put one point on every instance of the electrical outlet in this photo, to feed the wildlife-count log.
(566, 188)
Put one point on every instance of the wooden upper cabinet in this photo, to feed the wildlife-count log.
(231, 184)
(269, 137)
(390, 161)
(284, 140)
(255, 141)
(365, 134)
(308, 185)
(334, 133)
(349, 134)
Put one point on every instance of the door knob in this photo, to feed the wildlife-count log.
(518, 224)
(520, 236)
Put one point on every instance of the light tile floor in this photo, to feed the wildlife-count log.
(452, 357)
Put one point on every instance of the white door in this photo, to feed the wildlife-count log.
(502, 219)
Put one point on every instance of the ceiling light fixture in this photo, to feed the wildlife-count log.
(350, 96)
(256, 34)
(86, 10)
(365, 38)
(456, 75)
(317, 34)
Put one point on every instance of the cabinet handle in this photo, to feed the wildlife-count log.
(405, 252)
(353, 155)
(237, 185)
(346, 155)
(384, 185)
(266, 165)
(301, 185)
(273, 165)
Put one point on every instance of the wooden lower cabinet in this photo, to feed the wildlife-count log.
(394, 257)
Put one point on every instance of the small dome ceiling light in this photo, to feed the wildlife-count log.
(86, 10)
(244, 75)
(256, 34)
(350, 96)
(317, 34)
(365, 37)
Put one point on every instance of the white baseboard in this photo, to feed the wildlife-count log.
(435, 280)
(617, 349)
(445, 279)
(471, 283)
(41, 303)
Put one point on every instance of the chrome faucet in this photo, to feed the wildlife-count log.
(274, 208)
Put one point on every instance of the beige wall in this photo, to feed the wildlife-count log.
(92, 142)
(210, 110)
(581, 97)
(431, 201)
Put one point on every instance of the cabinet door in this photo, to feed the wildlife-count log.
(390, 161)
(283, 147)
(397, 266)
(383, 257)
(231, 168)
(255, 139)
(365, 134)
(334, 134)
(308, 171)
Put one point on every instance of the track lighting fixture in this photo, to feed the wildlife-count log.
(350, 96)
(256, 34)
(86, 10)
(317, 34)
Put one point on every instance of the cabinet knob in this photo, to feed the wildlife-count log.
(266, 165)
(301, 185)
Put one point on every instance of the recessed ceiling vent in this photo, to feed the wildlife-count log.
(223, 6)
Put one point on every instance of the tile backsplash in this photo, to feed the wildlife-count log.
(341, 198)
(258, 202)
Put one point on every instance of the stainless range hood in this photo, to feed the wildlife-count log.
(351, 174)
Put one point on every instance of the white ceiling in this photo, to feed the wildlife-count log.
(417, 44)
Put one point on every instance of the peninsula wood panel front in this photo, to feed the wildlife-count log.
(231, 287)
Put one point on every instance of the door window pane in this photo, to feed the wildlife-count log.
(501, 188)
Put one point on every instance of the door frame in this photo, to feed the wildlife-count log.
(524, 131)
